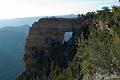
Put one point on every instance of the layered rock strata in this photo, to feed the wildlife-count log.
(46, 44)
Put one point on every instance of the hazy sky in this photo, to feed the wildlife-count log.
(30, 8)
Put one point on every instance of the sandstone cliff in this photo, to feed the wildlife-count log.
(46, 46)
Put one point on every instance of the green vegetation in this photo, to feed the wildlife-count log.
(98, 52)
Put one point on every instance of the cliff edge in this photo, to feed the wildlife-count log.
(51, 42)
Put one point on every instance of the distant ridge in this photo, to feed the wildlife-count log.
(28, 20)
(12, 42)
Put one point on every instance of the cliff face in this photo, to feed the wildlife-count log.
(46, 44)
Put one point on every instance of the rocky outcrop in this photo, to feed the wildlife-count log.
(46, 45)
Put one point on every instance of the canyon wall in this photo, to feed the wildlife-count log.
(46, 44)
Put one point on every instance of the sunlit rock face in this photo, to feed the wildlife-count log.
(45, 43)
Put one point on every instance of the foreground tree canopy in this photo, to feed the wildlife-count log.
(100, 54)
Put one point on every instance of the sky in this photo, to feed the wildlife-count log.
(30, 8)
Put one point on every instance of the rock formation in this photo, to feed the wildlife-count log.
(46, 45)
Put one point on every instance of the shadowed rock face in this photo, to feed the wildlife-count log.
(45, 44)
